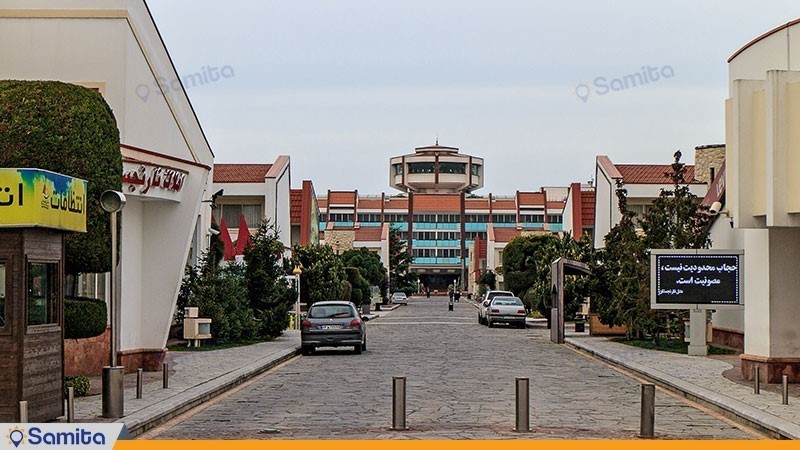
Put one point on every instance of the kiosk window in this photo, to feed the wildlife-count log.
(41, 298)
(2, 295)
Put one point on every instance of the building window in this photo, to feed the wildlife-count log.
(398, 169)
(340, 217)
(451, 167)
(232, 213)
(477, 218)
(421, 167)
(323, 217)
(532, 218)
(2, 295)
(504, 218)
(41, 293)
(554, 218)
(396, 217)
(369, 217)
(475, 169)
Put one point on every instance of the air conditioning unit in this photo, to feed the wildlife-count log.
(196, 329)
(191, 311)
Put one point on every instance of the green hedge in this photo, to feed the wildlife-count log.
(71, 130)
(84, 317)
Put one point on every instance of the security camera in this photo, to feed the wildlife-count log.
(213, 231)
(715, 208)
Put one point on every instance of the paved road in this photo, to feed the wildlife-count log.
(460, 385)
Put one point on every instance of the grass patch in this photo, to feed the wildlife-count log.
(205, 347)
(670, 345)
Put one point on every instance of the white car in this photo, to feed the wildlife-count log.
(484, 304)
(399, 298)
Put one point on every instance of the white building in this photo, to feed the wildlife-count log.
(763, 196)
(113, 46)
(644, 183)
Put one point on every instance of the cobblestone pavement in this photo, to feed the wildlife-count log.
(460, 378)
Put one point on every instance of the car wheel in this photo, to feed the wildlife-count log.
(479, 320)
(364, 344)
(489, 323)
(306, 350)
(357, 349)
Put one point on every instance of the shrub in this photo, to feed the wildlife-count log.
(71, 130)
(84, 317)
(222, 297)
(80, 385)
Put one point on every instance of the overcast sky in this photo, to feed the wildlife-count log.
(341, 86)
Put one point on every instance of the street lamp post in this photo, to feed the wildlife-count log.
(297, 271)
(113, 391)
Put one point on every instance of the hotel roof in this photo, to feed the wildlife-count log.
(296, 208)
(240, 173)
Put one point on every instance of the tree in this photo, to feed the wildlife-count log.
(323, 273)
(621, 285)
(269, 296)
(360, 286)
(369, 265)
(68, 129)
(400, 259)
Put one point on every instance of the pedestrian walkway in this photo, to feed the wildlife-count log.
(700, 379)
(194, 377)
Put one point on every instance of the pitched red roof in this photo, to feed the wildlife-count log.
(555, 205)
(240, 173)
(651, 173)
(296, 205)
(368, 234)
(505, 234)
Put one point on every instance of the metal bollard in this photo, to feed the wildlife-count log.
(399, 403)
(70, 404)
(756, 380)
(648, 416)
(166, 375)
(139, 381)
(785, 390)
(523, 405)
(113, 392)
(23, 412)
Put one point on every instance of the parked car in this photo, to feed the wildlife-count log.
(333, 324)
(508, 310)
(484, 304)
(399, 298)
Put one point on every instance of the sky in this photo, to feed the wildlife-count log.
(538, 89)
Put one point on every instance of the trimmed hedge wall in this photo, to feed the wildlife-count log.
(84, 317)
(71, 130)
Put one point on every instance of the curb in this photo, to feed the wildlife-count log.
(158, 413)
(731, 408)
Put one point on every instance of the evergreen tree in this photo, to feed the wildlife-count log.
(323, 273)
(401, 279)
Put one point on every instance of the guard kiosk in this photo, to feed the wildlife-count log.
(37, 208)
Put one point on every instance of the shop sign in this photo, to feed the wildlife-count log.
(40, 198)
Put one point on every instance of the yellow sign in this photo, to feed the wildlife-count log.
(39, 198)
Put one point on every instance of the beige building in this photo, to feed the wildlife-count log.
(763, 195)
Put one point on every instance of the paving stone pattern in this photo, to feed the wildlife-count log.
(460, 378)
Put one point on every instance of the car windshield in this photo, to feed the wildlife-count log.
(330, 311)
(508, 301)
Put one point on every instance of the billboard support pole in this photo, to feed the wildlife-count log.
(697, 332)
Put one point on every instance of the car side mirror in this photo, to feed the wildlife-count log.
(486, 303)
(365, 318)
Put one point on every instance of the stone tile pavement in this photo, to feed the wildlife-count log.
(194, 377)
(700, 379)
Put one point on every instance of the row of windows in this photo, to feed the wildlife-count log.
(252, 214)
(437, 218)
(430, 167)
(437, 236)
(531, 218)
(436, 252)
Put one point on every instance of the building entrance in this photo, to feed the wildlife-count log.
(436, 281)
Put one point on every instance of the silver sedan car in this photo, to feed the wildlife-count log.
(508, 310)
(333, 324)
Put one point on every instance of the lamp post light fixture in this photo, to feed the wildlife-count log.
(113, 392)
(297, 271)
